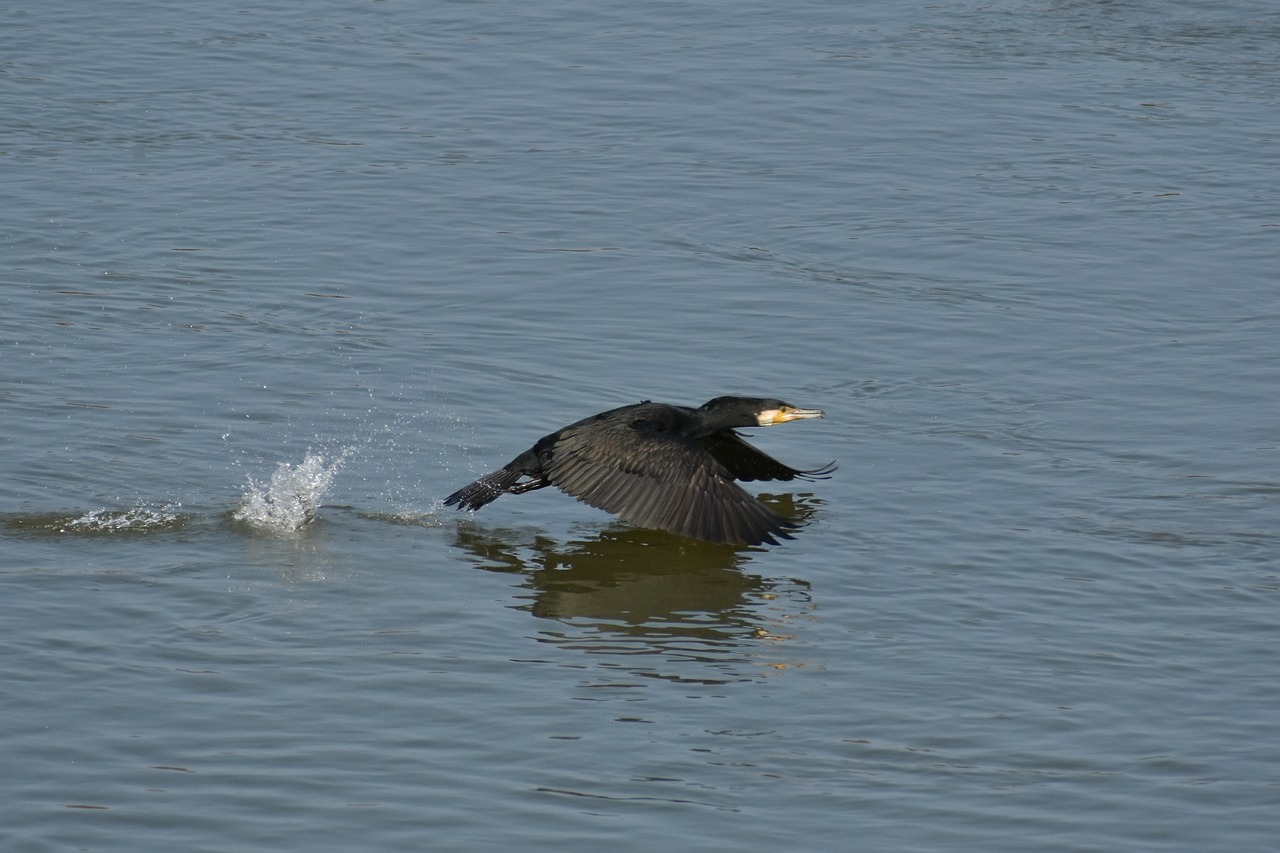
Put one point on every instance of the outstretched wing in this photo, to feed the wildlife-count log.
(745, 462)
(655, 479)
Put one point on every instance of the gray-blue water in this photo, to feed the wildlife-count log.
(276, 280)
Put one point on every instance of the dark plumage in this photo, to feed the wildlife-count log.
(660, 466)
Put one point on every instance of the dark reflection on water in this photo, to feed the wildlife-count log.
(673, 606)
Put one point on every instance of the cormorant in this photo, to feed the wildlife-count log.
(660, 466)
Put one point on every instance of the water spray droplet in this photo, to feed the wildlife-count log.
(291, 500)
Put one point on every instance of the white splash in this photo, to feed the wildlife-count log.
(136, 520)
(292, 498)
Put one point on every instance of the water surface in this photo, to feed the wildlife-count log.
(276, 280)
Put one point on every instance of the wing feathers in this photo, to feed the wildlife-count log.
(745, 462)
(654, 479)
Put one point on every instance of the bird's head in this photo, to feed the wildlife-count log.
(756, 411)
(778, 412)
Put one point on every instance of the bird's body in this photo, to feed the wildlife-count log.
(659, 466)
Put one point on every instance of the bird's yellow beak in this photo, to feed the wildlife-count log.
(769, 417)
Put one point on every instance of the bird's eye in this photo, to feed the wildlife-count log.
(784, 409)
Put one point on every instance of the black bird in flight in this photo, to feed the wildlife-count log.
(660, 466)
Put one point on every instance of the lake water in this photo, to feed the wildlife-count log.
(278, 279)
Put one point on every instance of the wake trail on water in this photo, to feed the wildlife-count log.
(140, 519)
(286, 502)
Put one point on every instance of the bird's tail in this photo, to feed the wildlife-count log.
(488, 488)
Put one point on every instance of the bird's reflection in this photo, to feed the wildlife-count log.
(654, 603)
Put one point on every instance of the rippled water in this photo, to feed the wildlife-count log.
(277, 280)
